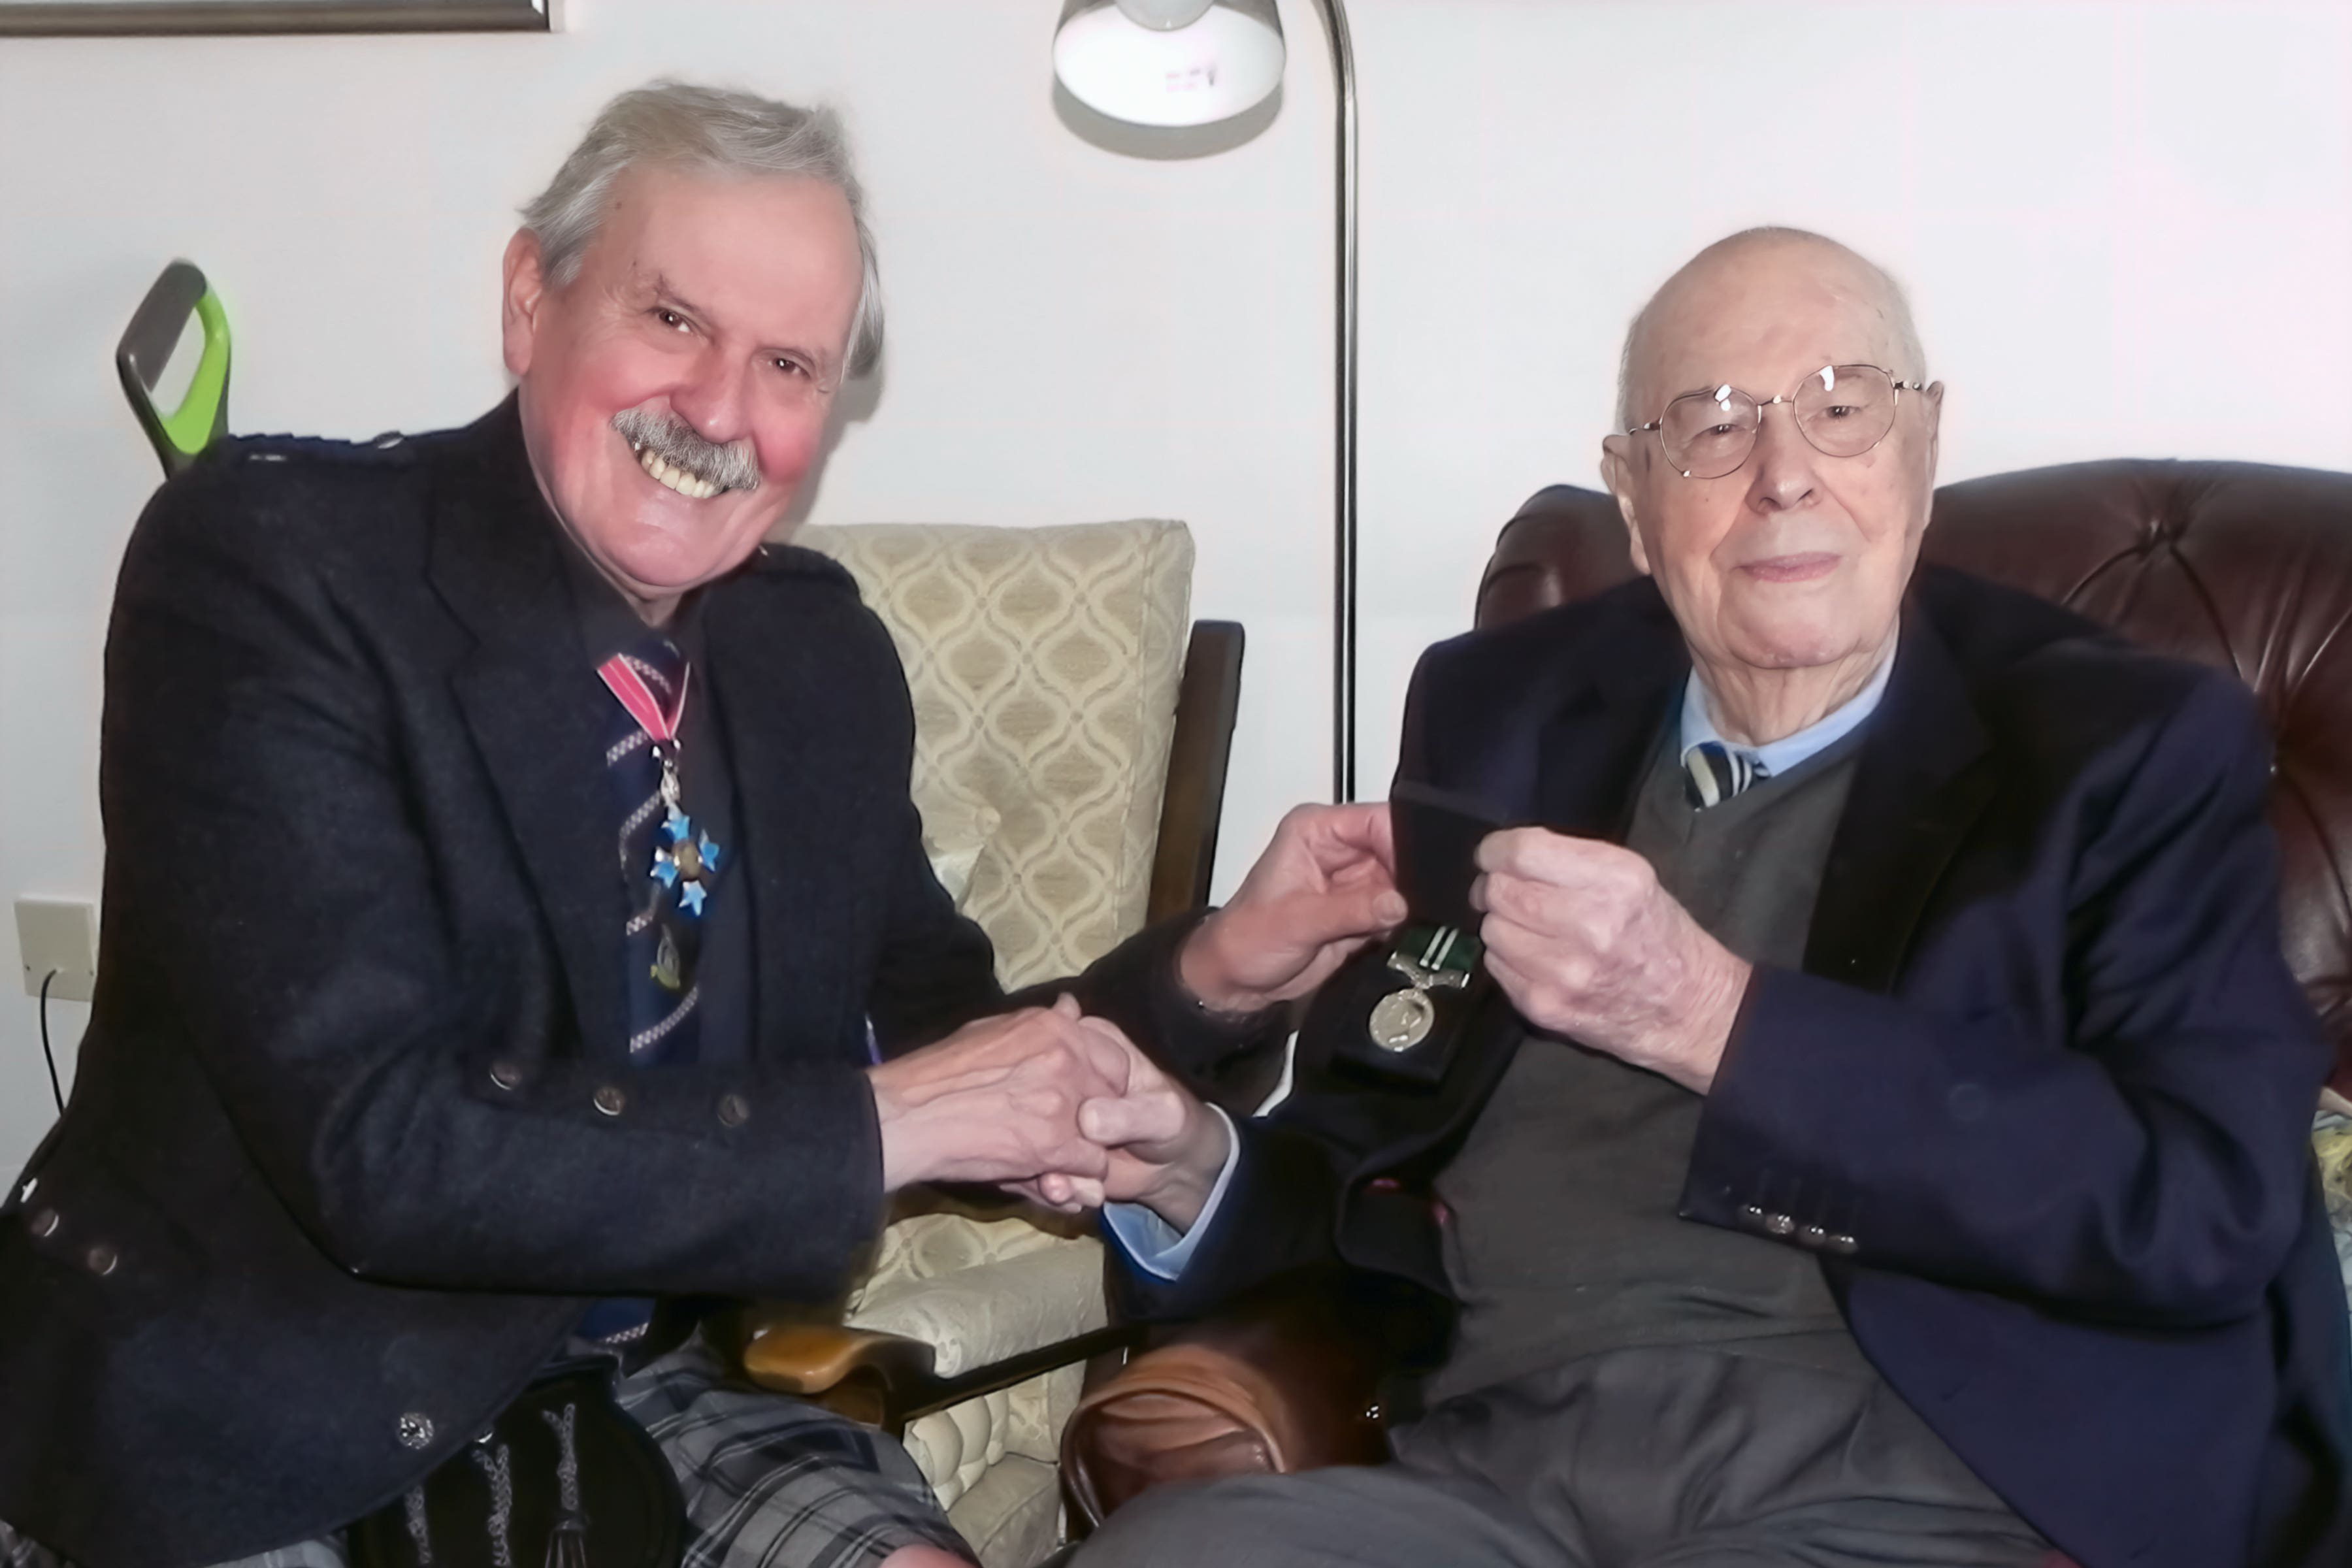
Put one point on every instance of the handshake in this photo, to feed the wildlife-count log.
(1058, 1107)
(1063, 1109)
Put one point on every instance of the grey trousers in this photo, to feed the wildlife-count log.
(1676, 1457)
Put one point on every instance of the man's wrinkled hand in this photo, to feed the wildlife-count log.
(1162, 1148)
(1325, 886)
(998, 1100)
(1586, 944)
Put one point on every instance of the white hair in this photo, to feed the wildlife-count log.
(679, 125)
(1898, 309)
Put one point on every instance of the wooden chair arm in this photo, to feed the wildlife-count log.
(807, 1359)
(885, 1380)
(1207, 704)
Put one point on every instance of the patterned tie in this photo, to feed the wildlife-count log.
(1713, 772)
(664, 935)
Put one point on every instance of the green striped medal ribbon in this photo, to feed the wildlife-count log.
(1431, 958)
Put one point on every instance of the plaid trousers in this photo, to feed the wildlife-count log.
(770, 1481)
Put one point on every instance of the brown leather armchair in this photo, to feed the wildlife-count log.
(2238, 565)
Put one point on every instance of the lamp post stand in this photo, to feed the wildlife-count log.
(1343, 525)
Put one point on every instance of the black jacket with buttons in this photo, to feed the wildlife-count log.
(354, 1131)
(2039, 1096)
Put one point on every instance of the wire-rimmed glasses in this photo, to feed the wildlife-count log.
(1842, 410)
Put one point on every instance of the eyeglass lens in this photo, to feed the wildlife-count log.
(1843, 410)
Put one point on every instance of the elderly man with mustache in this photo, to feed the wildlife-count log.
(518, 937)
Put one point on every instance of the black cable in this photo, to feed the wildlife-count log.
(47, 1055)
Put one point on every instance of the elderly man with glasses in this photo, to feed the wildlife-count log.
(1881, 1139)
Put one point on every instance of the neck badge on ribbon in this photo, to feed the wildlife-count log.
(689, 863)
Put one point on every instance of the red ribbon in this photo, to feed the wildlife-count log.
(623, 680)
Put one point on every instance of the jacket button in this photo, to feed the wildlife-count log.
(506, 1076)
(733, 1111)
(1814, 1236)
(43, 1221)
(1842, 1244)
(1778, 1224)
(1752, 1213)
(100, 1260)
(611, 1100)
(415, 1431)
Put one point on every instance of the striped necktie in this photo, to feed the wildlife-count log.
(1713, 772)
(662, 936)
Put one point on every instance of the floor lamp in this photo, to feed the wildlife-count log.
(1181, 63)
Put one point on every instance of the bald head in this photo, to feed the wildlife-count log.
(1756, 268)
(1783, 549)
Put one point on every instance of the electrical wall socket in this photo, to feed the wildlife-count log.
(60, 934)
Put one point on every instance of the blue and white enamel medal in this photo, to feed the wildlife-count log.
(688, 865)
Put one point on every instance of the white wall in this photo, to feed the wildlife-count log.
(2126, 225)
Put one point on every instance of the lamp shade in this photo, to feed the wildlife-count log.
(1122, 58)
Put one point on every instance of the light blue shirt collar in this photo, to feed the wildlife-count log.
(1779, 756)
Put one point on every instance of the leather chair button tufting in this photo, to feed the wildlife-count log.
(611, 1100)
(733, 1111)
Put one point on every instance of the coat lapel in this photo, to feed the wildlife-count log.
(495, 562)
(1595, 748)
(1923, 779)
(1590, 754)
(791, 815)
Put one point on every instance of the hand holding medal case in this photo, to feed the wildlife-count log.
(1406, 1001)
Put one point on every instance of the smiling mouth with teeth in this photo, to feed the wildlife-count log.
(676, 478)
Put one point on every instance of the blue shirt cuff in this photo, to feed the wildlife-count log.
(1153, 1245)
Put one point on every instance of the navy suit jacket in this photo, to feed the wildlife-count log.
(2044, 1064)
(355, 1132)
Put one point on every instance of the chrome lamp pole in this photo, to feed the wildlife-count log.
(1181, 63)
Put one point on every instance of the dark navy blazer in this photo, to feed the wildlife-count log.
(2043, 1065)
(355, 1131)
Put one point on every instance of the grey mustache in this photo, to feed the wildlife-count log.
(680, 444)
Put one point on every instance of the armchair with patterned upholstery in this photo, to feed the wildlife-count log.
(1071, 741)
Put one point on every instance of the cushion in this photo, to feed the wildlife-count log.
(980, 1291)
(952, 842)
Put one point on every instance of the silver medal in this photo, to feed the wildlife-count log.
(1401, 1020)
